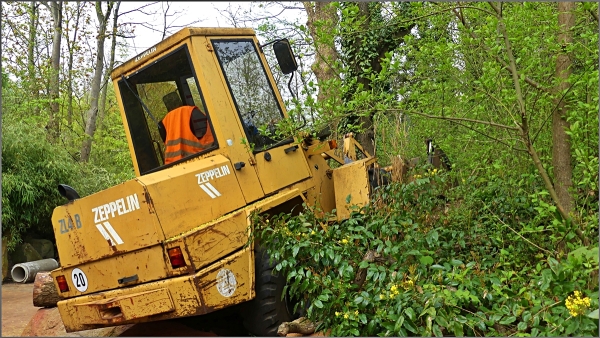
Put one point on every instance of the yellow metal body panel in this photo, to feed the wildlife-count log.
(133, 306)
(113, 221)
(167, 44)
(213, 240)
(283, 169)
(147, 265)
(323, 193)
(218, 238)
(351, 180)
(193, 193)
(208, 290)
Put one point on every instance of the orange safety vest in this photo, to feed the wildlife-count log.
(181, 141)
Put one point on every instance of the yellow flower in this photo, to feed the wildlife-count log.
(356, 312)
(382, 296)
(576, 304)
(393, 288)
(312, 232)
(337, 314)
(345, 316)
(344, 241)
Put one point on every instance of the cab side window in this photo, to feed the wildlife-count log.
(178, 116)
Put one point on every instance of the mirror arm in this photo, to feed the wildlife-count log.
(268, 43)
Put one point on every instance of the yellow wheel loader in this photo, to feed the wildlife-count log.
(173, 241)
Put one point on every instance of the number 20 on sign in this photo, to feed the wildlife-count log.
(66, 225)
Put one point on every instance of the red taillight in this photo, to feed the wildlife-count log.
(62, 283)
(176, 257)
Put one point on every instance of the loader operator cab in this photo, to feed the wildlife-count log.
(154, 89)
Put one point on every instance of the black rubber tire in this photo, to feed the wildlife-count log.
(263, 315)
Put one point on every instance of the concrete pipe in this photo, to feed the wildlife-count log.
(25, 272)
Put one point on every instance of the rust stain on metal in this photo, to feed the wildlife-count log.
(149, 200)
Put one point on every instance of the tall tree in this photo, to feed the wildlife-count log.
(74, 20)
(561, 145)
(368, 36)
(322, 22)
(31, 69)
(111, 63)
(92, 115)
(56, 9)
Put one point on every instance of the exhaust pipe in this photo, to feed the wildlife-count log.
(25, 272)
(68, 192)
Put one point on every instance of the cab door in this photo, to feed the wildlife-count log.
(278, 162)
(225, 119)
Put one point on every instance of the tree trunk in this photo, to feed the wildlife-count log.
(71, 48)
(31, 44)
(301, 325)
(111, 63)
(322, 20)
(561, 145)
(56, 8)
(44, 290)
(90, 125)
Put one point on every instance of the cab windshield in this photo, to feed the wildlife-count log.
(251, 89)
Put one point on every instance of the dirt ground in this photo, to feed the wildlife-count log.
(18, 310)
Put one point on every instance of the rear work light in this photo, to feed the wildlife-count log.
(62, 283)
(176, 257)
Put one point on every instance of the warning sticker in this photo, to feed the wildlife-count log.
(226, 282)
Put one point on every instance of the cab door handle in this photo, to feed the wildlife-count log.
(290, 149)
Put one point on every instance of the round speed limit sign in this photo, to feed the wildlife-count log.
(79, 280)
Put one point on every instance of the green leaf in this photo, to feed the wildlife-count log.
(410, 326)
(572, 327)
(363, 318)
(358, 300)
(441, 321)
(522, 326)
(508, 320)
(295, 251)
(436, 330)
(426, 260)
(458, 329)
(593, 314)
(410, 313)
(456, 262)
(399, 323)
(437, 267)
(318, 304)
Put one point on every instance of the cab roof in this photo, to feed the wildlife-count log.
(166, 44)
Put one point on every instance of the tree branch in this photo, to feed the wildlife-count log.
(525, 133)
(139, 8)
(506, 66)
(449, 118)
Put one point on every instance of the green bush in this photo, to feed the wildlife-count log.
(31, 171)
(32, 168)
(478, 265)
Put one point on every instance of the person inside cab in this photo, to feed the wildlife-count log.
(184, 130)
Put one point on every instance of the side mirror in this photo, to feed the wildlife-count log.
(285, 56)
